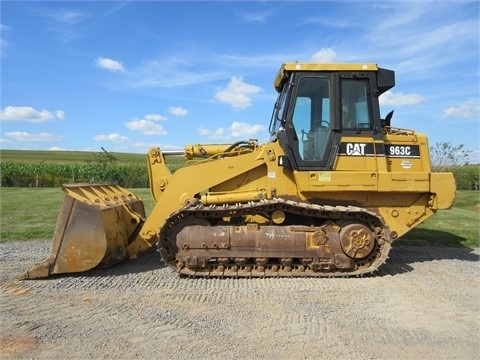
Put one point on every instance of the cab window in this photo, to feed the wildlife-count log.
(355, 111)
(311, 117)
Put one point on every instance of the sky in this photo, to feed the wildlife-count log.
(126, 76)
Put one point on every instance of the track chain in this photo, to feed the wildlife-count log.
(167, 243)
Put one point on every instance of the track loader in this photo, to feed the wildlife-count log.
(326, 196)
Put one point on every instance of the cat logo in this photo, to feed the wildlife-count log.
(356, 149)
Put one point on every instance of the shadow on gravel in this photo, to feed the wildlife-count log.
(404, 252)
(407, 251)
(402, 256)
(148, 261)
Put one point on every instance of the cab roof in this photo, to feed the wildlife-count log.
(286, 68)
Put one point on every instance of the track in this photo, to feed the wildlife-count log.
(297, 240)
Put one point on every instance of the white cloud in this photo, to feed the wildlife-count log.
(66, 23)
(337, 22)
(60, 114)
(68, 17)
(155, 117)
(30, 114)
(148, 125)
(25, 136)
(236, 93)
(4, 44)
(239, 130)
(168, 73)
(109, 64)
(256, 17)
(142, 147)
(110, 137)
(399, 99)
(203, 131)
(468, 110)
(213, 134)
(327, 55)
(58, 148)
(178, 111)
(219, 134)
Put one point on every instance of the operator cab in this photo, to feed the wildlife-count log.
(320, 103)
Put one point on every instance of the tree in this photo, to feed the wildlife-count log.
(445, 154)
(105, 158)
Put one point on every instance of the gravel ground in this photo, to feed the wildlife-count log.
(423, 304)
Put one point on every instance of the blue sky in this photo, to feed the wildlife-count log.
(130, 75)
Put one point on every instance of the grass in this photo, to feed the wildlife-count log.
(459, 226)
(30, 213)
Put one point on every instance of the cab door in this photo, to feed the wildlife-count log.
(311, 141)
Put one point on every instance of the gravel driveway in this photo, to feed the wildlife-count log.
(423, 304)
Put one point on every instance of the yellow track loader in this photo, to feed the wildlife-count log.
(327, 195)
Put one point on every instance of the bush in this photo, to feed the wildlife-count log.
(466, 176)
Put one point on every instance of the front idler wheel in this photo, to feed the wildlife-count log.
(357, 240)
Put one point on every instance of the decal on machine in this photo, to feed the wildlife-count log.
(402, 151)
(406, 164)
(325, 177)
(379, 149)
(356, 149)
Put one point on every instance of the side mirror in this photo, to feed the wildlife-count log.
(388, 119)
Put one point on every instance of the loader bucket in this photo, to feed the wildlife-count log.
(94, 227)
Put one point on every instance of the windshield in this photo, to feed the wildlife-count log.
(278, 112)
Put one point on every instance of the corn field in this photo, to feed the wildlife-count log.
(42, 174)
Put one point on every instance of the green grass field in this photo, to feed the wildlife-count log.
(459, 226)
(29, 213)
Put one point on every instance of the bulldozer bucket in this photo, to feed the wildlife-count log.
(94, 227)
